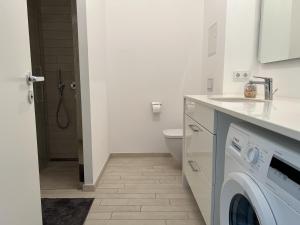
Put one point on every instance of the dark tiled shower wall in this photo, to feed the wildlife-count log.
(57, 36)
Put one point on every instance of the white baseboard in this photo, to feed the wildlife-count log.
(92, 187)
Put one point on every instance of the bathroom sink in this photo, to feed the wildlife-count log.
(235, 99)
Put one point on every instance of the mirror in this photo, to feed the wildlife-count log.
(279, 30)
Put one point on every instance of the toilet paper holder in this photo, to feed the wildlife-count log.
(156, 107)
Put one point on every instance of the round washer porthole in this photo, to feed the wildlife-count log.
(241, 212)
(243, 203)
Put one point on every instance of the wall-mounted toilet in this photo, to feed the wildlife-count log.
(174, 142)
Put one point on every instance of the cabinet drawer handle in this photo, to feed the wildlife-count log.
(193, 165)
(190, 106)
(195, 128)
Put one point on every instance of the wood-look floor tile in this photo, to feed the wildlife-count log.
(110, 177)
(196, 215)
(115, 208)
(153, 186)
(123, 181)
(161, 202)
(177, 180)
(96, 222)
(162, 173)
(135, 191)
(158, 177)
(106, 190)
(149, 215)
(153, 190)
(136, 222)
(127, 173)
(99, 216)
(169, 208)
(171, 195)
(126, 196)
(180, 202)
(185, 222)
(110, 186)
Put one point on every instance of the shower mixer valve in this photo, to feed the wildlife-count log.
(73, 85)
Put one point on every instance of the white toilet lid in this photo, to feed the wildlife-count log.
(173, 133)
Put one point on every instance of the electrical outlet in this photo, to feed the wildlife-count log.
(241, 76)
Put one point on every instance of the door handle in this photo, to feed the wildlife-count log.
(30, 79)
(195, 128)
(193, 165)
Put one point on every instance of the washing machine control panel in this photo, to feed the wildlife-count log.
(253, 155)
(255, 158)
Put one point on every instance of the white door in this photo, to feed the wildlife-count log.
(19, 177)
(242, 202)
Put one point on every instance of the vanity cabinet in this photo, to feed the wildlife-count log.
(199, 143)
(202, 114)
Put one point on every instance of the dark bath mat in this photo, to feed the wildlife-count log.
(65, 211)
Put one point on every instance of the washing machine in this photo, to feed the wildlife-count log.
(261, 178)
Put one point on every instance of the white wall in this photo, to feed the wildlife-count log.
(214, 12)
(242, 29)
(91, 30)
(97, 72)
(241, 42)
(153, 54)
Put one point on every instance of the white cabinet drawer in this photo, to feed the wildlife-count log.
(200, 189)
(200, 113)
(198, 164)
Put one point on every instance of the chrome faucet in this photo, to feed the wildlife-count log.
(268, 83)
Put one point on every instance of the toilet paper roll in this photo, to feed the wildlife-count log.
(156, 107)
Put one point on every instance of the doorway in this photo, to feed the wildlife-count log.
(54, 55)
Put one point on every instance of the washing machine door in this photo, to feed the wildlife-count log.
(243, 203)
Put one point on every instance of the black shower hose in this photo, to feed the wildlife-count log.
(61, 106)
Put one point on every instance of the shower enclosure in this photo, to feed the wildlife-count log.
(54, 55)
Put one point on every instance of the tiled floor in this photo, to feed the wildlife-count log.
(59, 175)
(138, 191)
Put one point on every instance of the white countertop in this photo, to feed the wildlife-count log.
(282, 115)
